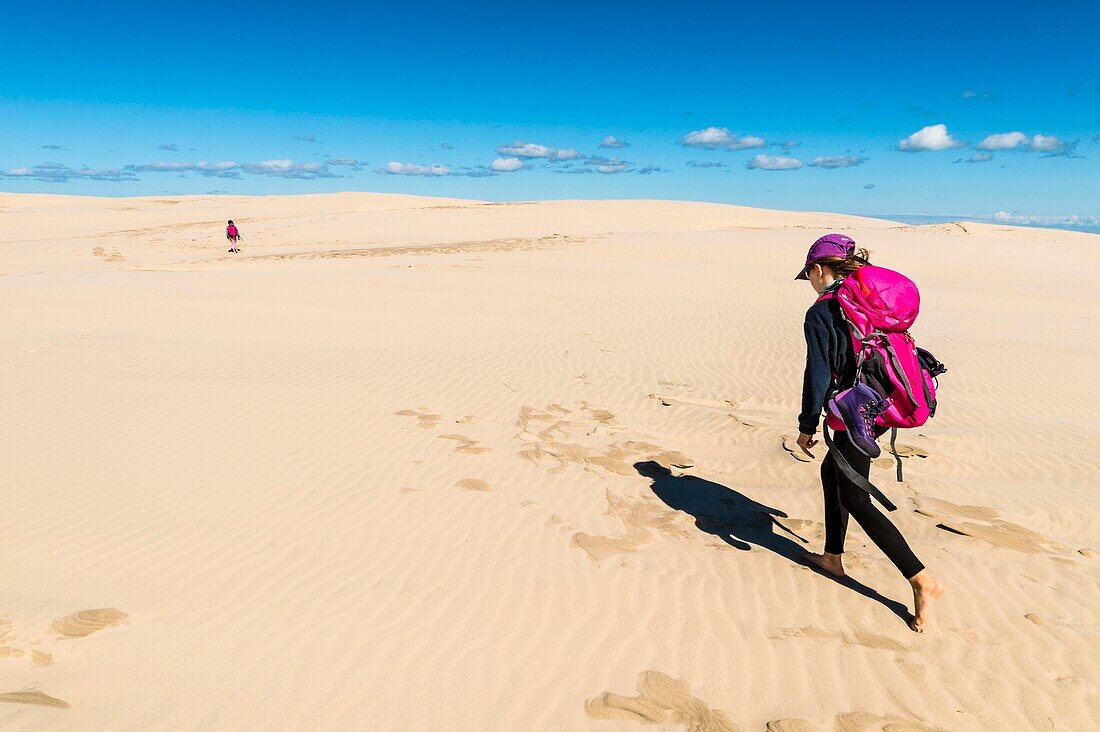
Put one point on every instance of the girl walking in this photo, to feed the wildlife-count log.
(830, 363)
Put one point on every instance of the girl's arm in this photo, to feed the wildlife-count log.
(818, 376)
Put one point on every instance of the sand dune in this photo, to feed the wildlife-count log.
(434, 464)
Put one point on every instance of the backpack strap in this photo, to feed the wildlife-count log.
(894, 450)
(861, 482)
(897, 365)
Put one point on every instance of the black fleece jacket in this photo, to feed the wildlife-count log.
(828, 352)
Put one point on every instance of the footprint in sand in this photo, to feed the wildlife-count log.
(6, 636)
(108, 256)
(427, 420)
(793, 725)
(661, 699)
(644, 520)
(597, 414)
(744, 422)
(668, 400)
(798, 528)
(550, 437)
(851, 722)
(35, 697)
(858, 637)
(790, 444)
(39, 658)
(602, 547)
(86, 622)
(620, 457)
(938, 508)
(867, 722)
(473, 484)
(466, 445)
(907, 451)
(992, 530)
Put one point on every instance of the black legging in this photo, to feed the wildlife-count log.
(843, 497)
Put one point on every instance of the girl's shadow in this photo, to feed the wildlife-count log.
(741, 522)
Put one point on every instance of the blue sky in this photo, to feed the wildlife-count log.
(801, 105)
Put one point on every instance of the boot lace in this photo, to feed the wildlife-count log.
(867, 412)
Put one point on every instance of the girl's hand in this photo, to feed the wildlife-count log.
(806, 442)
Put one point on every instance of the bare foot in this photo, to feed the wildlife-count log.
(831, 563)
(925, 591)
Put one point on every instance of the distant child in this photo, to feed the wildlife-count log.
(233, 236)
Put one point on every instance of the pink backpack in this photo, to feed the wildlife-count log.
(880, 306)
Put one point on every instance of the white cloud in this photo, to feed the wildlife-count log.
(790, 144)
(711, 137)
(981, 157)
(396, 168)
(714, 138)
(930, 138)
(169, 146)
(613, 142)
(506, 165)
(1003, 141)
(1074, 220)
(650, 170)
(839, 161)
(286, 168)
(971, 94)
(705, 164)
(521, 149)
(1049, 144)
(479, 171)
(773, 162)
(277, 168)
(225, 169)
(608, 165)
(58, 173)
(304, 138)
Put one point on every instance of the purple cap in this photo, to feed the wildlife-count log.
(830, 245)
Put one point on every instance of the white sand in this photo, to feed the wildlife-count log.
(376, 472)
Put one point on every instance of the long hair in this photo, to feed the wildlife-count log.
(844, 266)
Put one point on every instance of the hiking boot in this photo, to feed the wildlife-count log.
(857, 408)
